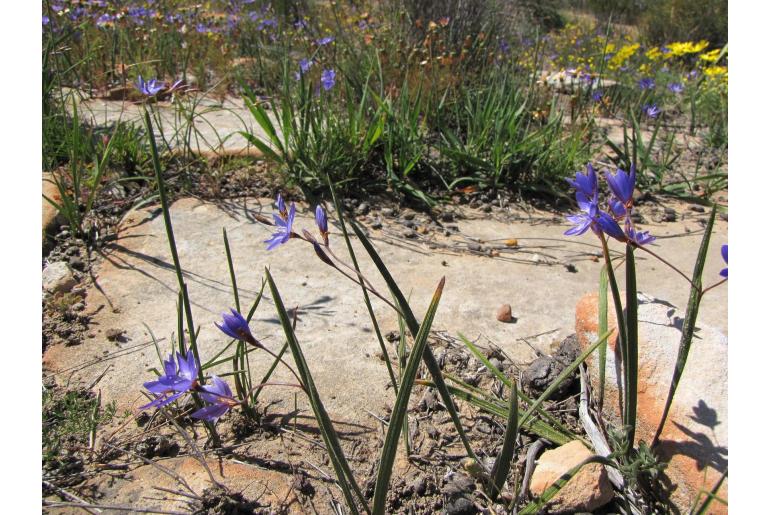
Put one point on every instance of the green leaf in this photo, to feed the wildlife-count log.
(503, 463)
(688, 326)
(345, 476)
(390, 446)
(413, 326)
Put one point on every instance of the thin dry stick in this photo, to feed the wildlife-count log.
(69, 495)
(179, 479)
(115, 507)
(197, 453)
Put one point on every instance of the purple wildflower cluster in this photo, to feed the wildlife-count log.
(284, 220)
(619, 207)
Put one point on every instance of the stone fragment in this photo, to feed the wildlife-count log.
(588, 490)
(694, 440)
(58, 277)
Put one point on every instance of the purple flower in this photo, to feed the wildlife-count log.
(646, 83)
(179, 377)
(324, 41)
(651, 110)
(46, 20)
(622, 185)
(590, 216)
(597, 96)
(300, 24)
(104, 19)
(304, 67)
(150, 88)
(327, 79)
(322, 223)
(638, 237)
(235, 326)
(723, 272)
(505, 47)
(675, 87)
(220, 399)
(281, 205)
(283, 225)
(596, 220)
(587, 188)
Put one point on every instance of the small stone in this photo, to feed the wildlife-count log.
(58, 277)
(587, 491)
(460, 506)
(504, 313)
(362, 208)
(447, 216)
(387, 211)
(409, 234)
(475, 247)
(457, 484)
(114, 334)
(495, 362)
(419, 486)
(537, 258)
(571, 268)
(408, 215)
(669, 214)
(487, 208)
(377, 224)
(637, 218)
(513, 242)
(77, 263)
(79, 306)
(723, 217)
(698, 209)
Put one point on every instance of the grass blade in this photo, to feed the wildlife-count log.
(413, 326)
(688, 327)
(341, 467)
(632, 346)
(503, 463)
(603, 283)
(390, 446)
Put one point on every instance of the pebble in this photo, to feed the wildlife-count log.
(457, 484)
(387, 211)
(487, 208)
(698, 209)
(410, 234)
(723, 216)
(362, 208)
(447, 216)
(504, 313)
(669, 214)
(408, 215)
(475, 247)
(377, 224)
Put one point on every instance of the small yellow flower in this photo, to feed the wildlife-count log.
(715, 71)
(653, 54)
(710, 56)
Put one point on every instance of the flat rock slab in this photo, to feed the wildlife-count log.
(216, 126)
(136, 290)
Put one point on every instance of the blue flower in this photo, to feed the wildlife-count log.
(235, 326)
(150, 88)
(723, 272)
(220, 399)
(676, 87)
(646, 83)
(327, 79)
(638, 237)
(622, 185)
(597, 95)
(283, 225)
(324, 41)
(596, 220)
(587, 188)
(651, 110)
(322, 223)
(179, 377)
